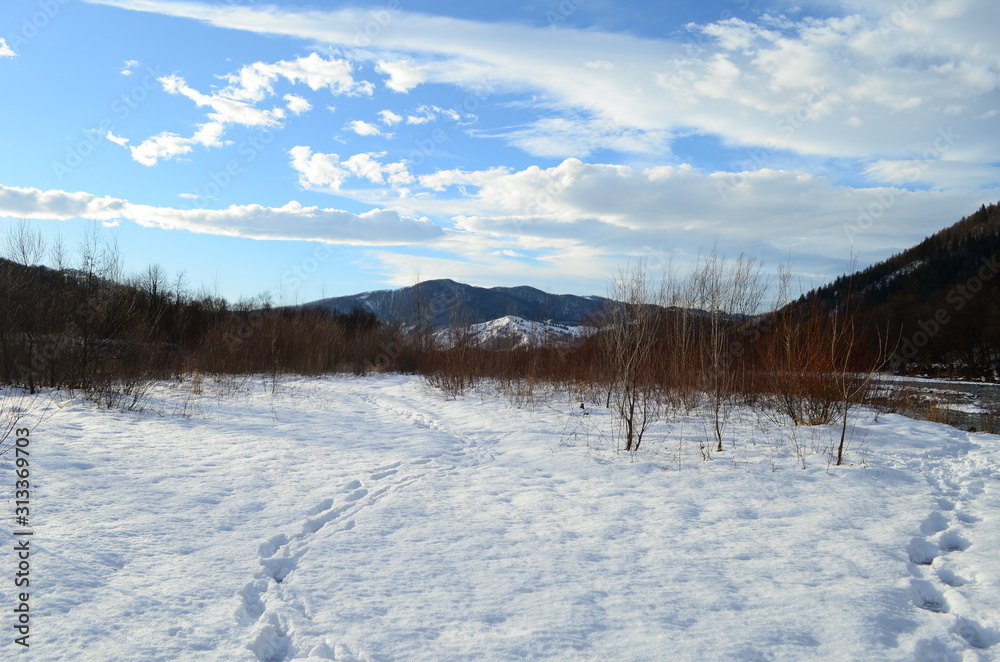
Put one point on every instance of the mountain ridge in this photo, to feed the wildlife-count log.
(938, 302)
(444, 303)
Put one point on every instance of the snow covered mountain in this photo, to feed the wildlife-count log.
(510, 331)
(445, 303)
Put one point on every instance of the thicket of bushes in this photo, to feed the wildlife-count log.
(699, 340)
(679, 342)
(84, 325)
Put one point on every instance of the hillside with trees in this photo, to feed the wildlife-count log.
(938, 303)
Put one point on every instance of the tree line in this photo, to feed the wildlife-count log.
(83, 324)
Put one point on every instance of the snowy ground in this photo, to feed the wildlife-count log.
(372, 519)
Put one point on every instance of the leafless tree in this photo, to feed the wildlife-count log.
(24, 244)
(726, 292)
(629, 339)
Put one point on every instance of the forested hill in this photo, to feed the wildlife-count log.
(444, 303)
(940, 300)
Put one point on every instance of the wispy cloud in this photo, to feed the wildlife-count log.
(863, 84)
(237, 103)
(5, 50)
(293, 221)
(118, 140)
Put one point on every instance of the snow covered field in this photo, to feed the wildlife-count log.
(373, 519)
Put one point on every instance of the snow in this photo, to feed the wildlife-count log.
(374, 519)
(511, 331)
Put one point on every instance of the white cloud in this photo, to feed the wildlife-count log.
(296, 104)
(255, 82)
(932, 172)
(611, 212)
(226, 110)
(403, 74)
(164, 146)
(317, 170)
(390, 118)
(236, 104)
(293, 221)
(363, 128)
(118, 140)
(129, 67)
(866, 84)
(5, 50)
(559, 137)
(442, 179)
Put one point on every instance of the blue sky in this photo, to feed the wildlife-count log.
(325, 149)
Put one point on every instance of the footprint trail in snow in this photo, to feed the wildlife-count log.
(270, 607)
(941, 579)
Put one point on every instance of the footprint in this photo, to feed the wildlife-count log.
(353, 485)
(945, 504)
(271, 547)
(948, 576)
(356, 494)
(976, 488)
(966, 518)
(251, 605)
(316, 523)
(934, 523)
(935, 650)
(321, 651)
(952, 541)
(423, 460)
(975, 634)
(325, 504)
(926, 596)
(382, 472)
(345, 653)
(280, 567)
(922, 552)
(271, 642)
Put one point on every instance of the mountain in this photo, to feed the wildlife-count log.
(939, 301)
(445, 303)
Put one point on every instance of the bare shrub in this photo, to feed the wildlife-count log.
(726, 293)
(629, 342)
